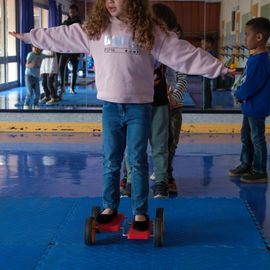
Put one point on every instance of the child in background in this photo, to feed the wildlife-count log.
(254, 94)
(125, 41)
(163, 126)
(166, 115)
(177, 84)
(73, 17)
(207, 43)
(49, 72)
(32, 76)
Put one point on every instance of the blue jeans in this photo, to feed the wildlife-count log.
(175, 124)
(254, 149)
(126, 125)
(159, 138)
(33, 89)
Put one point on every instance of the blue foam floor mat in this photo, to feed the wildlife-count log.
(205, 233)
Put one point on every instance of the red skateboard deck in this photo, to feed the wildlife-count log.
(113, 226)
(138, 235)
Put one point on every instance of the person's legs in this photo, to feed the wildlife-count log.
(207, 97)
(257, 126)
(159, 144)
(114, 142)
(62, 68)
(36, 89)
(175, 124)
(75, 62)
(138, 119)
(44, 81)
(29, 84)
(51, 85)
(258, 173)
(52, 88)
(247, 151)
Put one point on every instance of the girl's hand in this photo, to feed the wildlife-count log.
(16, 35)
(231, 72)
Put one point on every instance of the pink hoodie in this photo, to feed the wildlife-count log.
(124, 72)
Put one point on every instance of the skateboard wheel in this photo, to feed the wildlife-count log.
(158, 233)
(160, 215)
(89, 231)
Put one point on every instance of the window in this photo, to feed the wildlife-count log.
(8, 58)
(41, 17)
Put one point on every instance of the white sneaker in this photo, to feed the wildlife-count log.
(26, 107)
(152, 177)
(72, 91)
(43, 100)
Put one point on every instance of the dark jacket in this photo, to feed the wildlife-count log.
(160, 87)
(70, 21)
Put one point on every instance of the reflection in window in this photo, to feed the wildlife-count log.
(9, 66)
(2, 73)
(40, 17)
(12, 72)
(2, 160)
(48, 160)
(45, 17)
(10, 26)
(2, 48)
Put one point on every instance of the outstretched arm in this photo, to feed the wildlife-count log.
(62, 39)
(16, 35)
(176, 95)
(182, 56)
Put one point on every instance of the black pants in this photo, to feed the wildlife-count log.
(49, 85)
(207, 93)
(64, 58)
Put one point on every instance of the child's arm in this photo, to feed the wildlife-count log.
(29, 61)
(176, 95)
(256, 78)
(182, 56)
(62, 39)
(29, 64)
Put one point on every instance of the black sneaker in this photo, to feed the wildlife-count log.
(106, 218)
(253, 177)
(161, 192)
(141, 225)
(239, 171)
(126, 192)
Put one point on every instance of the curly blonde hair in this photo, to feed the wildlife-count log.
(138, 17)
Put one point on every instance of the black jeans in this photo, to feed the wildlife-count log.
(207, 93)
(49, 85)
(73, 58)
